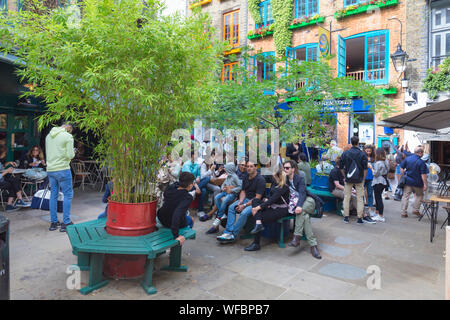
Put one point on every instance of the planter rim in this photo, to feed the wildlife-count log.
(132, 203)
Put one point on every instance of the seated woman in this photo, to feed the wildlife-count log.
(274, 208)
(35, 158)
(12, 185)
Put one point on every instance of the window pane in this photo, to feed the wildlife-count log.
(447, 44)
(437, 18)
(447, 19)
(437, 45)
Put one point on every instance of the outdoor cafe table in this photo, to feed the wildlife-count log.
(435, 199)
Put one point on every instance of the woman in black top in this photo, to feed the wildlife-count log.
(272, 209)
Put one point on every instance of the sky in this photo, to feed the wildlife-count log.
(174, 5)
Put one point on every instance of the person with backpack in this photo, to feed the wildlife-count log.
(415, 171)
(354, 168)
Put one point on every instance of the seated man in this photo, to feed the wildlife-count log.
(336, 185)
(177, 199)
(253, 187)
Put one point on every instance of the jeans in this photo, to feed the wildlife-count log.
(189, 222)
(222, 205)
(231, 227)
(60, 180)
(202, 186)
(368, 186)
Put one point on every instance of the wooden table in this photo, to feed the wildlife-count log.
(435, 199)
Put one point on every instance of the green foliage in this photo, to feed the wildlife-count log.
(253, 8)
(282, 13)
(123, 72)
(438, 80)
(243, 105)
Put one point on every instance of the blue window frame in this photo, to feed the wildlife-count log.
(265, 10)
(305, 52)
(306, 8)
(350, 2)
(261, 66)
(376, 56)
(3, 6)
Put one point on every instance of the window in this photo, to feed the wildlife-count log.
(440, 33)
(3, 6)
(307, 52)
(365, 57)
(262, 66)
(231, 28)
(265, 11)
(306, 8)
(350, 2)
(227, 72)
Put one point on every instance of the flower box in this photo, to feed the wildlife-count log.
(304, 23)
(261, 32)
(197, 3)
(387, 91)
(364, 7)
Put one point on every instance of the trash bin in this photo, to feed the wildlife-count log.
(4, 258)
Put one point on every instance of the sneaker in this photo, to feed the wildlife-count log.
(205, 217)
(201, 214)
(54, 226)
(372, 213)
(64, 226)
(346, 220)
(360, 221)
(369, 220)
(216, 222)
(22, 204)
(10, 208)
(378, 218)
(226, 237)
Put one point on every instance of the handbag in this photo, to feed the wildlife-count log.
(41, 200)
(293, 199)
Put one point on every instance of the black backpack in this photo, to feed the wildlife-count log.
(353, 173)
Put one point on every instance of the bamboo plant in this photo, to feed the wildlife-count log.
(118, 69)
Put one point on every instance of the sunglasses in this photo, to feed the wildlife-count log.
(287, 168)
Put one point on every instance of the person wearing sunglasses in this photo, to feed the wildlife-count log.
(306, 204)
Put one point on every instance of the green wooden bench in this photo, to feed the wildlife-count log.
(292, 217)
(328, 194)
(90, 242)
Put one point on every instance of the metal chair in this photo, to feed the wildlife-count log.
(79, 170)
(426, 209)
(447, 208)
(33, 185)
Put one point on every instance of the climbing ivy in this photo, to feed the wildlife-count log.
(253, 7)
(282, 14)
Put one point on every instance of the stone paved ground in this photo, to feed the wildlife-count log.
(411, 267)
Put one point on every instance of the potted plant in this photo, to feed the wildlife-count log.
(126, 74)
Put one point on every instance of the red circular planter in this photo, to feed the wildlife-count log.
(128, 220)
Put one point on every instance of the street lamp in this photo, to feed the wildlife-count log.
(399, 59)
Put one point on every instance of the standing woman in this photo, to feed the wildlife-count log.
(368, 192)
(380, 170)
(274, 208)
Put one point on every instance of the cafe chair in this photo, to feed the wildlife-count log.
(2, 192)
(447, 208)
(426, 209)
(33, 185)
(80, 171)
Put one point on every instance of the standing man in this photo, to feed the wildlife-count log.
(415, 171)
(253, 187)
(354, 168)
(60, 151)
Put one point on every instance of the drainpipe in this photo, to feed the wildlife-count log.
(246, 21)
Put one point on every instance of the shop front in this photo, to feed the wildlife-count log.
(18, 116)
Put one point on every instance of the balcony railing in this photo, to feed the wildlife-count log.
(373, 74)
